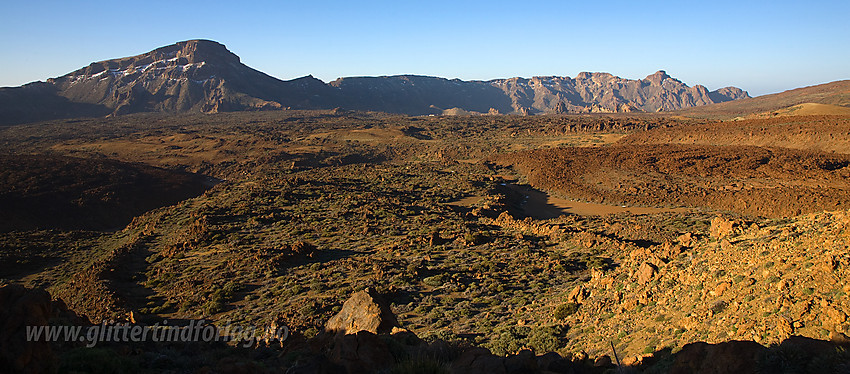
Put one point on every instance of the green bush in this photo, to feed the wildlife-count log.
(434, 281)
(565, 310)
(509, 340)
(475, 238)
(545, 339)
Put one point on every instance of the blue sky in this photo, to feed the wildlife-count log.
(760, 46)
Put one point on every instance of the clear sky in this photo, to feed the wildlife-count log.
(760, 46)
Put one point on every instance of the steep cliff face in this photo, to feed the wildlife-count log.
(606, 93)
(414, 94)
(586, 93)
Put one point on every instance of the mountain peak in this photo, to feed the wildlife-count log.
(657, 77)
(199, 50)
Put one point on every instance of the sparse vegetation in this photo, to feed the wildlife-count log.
(312, 207)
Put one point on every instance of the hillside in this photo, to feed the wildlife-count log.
(813, 133)
(198, 76)
(60, 192)
(834, 93)
(748, 180)
(805, 109)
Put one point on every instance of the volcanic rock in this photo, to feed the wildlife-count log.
(366, 310)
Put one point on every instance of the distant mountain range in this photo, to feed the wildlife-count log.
(203, 76)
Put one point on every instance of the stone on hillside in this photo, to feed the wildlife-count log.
(603, 362)
(578, 295)
(670, 250)
(640, 361)
(721, 227)
(646, 272)
(366, 310)
(831, 316)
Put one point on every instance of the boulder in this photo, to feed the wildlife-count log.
(522, 362)
(21, 307)
(727, 357)
(686, 239)
(646, 272)
(361, 352)
(366, 310)
(721, 227)
(553, 362)
(478, 360)
(839, 338)
(578, 295)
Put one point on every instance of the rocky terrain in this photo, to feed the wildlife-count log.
(389, 243)
(202, 76)
(821, 133)
(749, 180)
(762, 281)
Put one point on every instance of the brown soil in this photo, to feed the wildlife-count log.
(834, 93)
(748, 180)
(805, 109)
(540, 205)
(814, 133)
(40, 191)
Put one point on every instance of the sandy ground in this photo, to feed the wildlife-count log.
(540, 205)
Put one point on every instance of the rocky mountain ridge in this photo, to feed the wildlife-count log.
(204, 76)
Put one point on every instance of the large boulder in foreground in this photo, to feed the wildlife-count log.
(362, 352)
(21, 307)
(366, 310)
(727, 357)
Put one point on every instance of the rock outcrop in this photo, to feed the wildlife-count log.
(366, 310)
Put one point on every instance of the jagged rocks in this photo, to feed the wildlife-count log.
(721, 227)
(686, 239)
(578, 294)
(366, 310)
